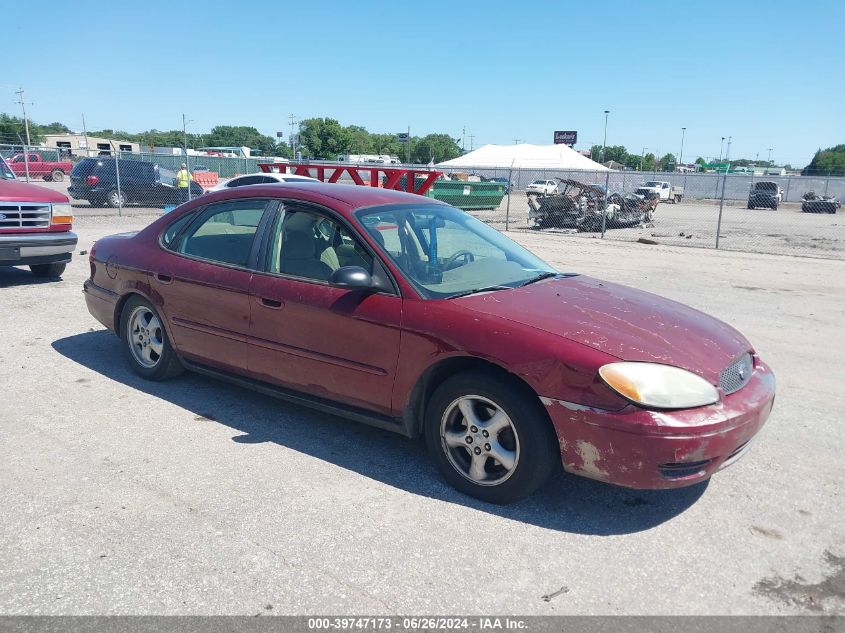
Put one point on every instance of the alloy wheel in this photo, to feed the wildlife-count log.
(145, 337)
(479, 440)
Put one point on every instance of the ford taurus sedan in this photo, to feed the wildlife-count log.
(410, 315)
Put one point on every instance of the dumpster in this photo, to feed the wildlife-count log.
(466, 195)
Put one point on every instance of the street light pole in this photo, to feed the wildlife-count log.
(642, 156)
(721, 149)
(681, 156)
(770, 157)
(604, 142)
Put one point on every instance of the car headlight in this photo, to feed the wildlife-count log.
(62, 214)
(659, 386)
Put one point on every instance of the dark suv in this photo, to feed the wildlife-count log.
(141, 182)
(764, 194)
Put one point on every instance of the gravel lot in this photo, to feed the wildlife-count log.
(121, 496)
(786, 231)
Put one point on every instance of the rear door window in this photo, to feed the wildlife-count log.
(224, 232)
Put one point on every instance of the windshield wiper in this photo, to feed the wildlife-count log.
(477, 290)
(539, 277)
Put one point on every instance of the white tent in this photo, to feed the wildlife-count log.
(525, 156)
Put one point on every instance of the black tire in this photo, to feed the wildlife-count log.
(775, 206)
(530, 431)
(57, 175)
(167, 364)
(48, 270)
(115, 199)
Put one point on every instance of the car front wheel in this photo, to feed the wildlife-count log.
(490, 438)
(145, 342)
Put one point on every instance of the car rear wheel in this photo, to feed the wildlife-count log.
(48, 270)
(489, 438)
(115, 199)
(145, 342)
(57, 175)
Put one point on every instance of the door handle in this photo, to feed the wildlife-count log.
(271, 303)
(165, 279)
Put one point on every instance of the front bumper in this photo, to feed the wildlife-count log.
(641, 448)
(20, 249)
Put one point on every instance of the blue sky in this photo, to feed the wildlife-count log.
(768, 74)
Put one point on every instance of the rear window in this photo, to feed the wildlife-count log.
(766, 186)
(83, 167)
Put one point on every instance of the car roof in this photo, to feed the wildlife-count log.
(276, 174)
(348, 198)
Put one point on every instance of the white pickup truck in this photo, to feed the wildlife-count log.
(662, 188)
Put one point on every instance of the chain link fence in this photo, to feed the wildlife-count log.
(743, 212)
(111, 178)
(707, 210)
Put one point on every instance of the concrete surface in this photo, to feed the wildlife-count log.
(121, 496)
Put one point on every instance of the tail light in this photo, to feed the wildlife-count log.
(92, 180)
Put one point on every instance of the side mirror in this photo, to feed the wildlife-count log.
(352, 278)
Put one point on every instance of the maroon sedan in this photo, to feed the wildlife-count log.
(408, 314)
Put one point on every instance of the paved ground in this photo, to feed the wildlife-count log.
(194, 497)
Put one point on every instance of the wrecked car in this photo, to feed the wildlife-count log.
(814, 203)
(581, 206)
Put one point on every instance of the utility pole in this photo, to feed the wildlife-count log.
(604, 142)
(681, 155)
(19, 92)
(408, 149)
(185, 140)
(721, 149)
(471, 142)
(728, 153)
(770, 157)
(516, 141)
(293, 138)
(463, 140)
(642, 156)
(85, 132)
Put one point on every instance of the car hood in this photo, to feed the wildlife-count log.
(15, 191)
(624, 322)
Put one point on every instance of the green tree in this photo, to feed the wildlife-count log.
(667, 163)
(13, 131)
(325, 138)
(434, 147)
(649, 162)
(828, 162)
(387, 144)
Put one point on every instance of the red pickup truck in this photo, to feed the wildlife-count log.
(35, 226)
(40, 168)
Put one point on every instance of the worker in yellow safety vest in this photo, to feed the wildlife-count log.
(183, 181)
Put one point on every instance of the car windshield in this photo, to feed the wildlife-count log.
(539, 182)
(766, 186)
(445, 252)
(652, 183)
(6, 172)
